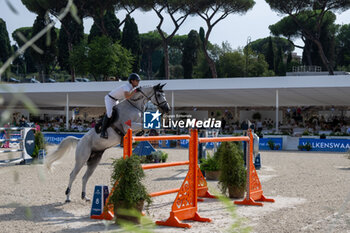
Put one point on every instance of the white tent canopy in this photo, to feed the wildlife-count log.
(227, 92)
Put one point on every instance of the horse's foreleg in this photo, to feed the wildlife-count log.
(92, 163)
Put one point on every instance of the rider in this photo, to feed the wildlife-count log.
(113, 98)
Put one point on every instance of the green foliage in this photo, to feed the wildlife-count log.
(280, 66)
(201, 70)
(190, 53)
(27, 59)
(129, 190)
(107, 26)
(237, 64)
(150, 42)
(71, 34)
(270, 57)
(39, 143)
(233, 172)
(78, 58)
(5, 46)
(271, 144)
(315, 25)
(342, 47)
(211, 163)
(102, 57)
(218, 11)
(164, 156)
(45, 60)
(306, 147)
(131, 40)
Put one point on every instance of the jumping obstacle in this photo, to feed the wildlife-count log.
(194, 185)
(254, 188)
(25, 138)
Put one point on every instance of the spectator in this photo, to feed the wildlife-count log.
(37, 127)
(23, 122)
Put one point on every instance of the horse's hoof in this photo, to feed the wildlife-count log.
(67, 201)
(83, 197)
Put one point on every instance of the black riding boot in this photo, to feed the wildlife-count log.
(122, 140)
(105, 124)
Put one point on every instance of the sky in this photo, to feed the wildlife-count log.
(235, 29)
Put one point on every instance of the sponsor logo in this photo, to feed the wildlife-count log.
(30, 142)
(151, 120)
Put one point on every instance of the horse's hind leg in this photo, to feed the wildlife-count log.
(92, 163)
(82, 155)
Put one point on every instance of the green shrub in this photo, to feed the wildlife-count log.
(211, 163)
(130, 190)
(231, 162)
(271, 144)
(39, 143)
(308, 146)
(157, 156)
(164, 157)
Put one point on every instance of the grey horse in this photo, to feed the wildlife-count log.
(90, 147)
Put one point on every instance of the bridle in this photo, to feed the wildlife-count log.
(149, 98)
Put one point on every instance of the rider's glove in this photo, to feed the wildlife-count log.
(138, 89)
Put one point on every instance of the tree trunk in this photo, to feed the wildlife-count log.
(70, 49)
(324, 59)
(166, 59)
(149, 65)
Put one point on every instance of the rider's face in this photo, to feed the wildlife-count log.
(135, 83)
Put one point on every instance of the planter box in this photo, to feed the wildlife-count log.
(212, 175)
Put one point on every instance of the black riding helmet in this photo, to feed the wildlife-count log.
(134, 76)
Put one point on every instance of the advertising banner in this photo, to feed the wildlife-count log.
(336, 145)
(56, 138)
(275, 142)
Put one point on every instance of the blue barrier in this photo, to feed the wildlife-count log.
(335, 145)
(264, 143)
(56, 138)
(143, 148)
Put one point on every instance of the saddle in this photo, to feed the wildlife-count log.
(115, 117)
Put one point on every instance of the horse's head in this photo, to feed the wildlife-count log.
(159, 99)
(155, 94)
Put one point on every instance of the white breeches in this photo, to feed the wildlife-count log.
(110, 103)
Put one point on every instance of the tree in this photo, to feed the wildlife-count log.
(101, 58)
(71, 34)
(288, 28)
(270, 58)
(279, 63)
(343, 46)
(44, 58)
(150, 42)
(131, 41)
(190, 53)
(176, 47)
(29, 66)
(213, 12)
(309, 16)
(238, 64)
(110, 27)
(5, 46)
(178, 12)
(268, 47)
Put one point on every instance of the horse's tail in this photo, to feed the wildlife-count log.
(65, 146)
